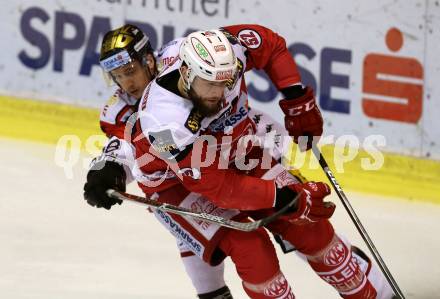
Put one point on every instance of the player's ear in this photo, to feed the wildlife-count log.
(151, 62)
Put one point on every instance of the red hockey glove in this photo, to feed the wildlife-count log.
(302, 117)
(310, 206)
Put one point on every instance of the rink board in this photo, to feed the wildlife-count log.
(373, 65)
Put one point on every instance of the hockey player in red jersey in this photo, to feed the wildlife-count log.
(132, 73)
(202, 96)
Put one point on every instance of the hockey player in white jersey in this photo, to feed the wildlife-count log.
(128, 60)
(203, 93)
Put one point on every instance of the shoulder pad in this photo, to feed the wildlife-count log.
(112, 100)
(168, 120)
(166, 46)
(111, 108)
(168, 54)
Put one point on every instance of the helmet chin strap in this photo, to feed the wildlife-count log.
(144, 63)
(185, 79)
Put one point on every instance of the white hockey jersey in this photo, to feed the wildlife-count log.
(168, 127)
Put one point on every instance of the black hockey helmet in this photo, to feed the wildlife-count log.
(123, 45)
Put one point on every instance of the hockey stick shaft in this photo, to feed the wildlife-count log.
(243, 226)
(357, 222)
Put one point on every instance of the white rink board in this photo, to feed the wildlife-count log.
(331, 40)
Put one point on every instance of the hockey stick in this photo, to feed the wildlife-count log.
(243, 226)
(357, 222)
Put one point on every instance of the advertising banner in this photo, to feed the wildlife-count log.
(374, 65)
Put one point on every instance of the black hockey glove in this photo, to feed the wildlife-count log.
(111, 175)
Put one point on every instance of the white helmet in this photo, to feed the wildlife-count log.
(209, 55)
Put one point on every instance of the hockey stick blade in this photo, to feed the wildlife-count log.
(242, 226)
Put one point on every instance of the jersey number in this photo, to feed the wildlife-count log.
(249, 39)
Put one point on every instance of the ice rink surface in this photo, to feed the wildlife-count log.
(54, 246)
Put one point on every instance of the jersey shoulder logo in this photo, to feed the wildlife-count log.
(194, 121)
(250, 38)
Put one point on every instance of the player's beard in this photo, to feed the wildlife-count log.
(205, 107)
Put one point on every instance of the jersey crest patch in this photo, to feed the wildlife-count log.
(164, 143)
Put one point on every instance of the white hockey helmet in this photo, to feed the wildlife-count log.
(209, 55)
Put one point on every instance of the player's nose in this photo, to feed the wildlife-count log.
(217, 91)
